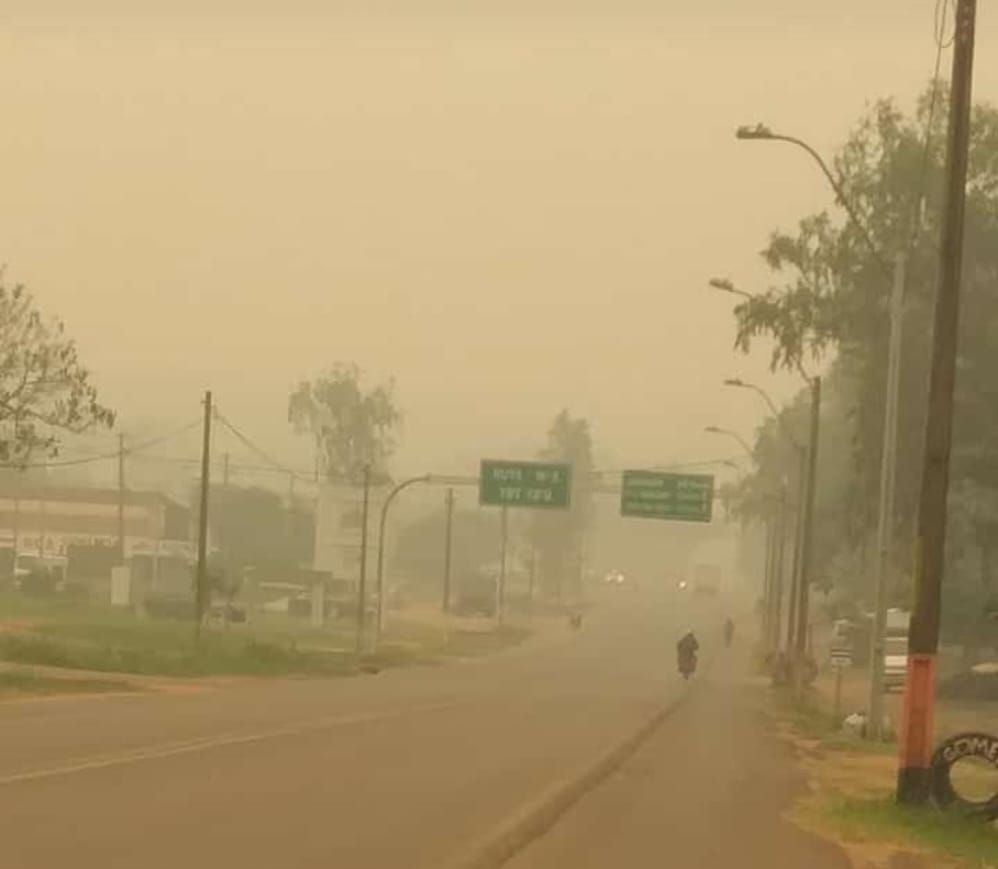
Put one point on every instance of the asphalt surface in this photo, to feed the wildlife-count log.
(402, 769)
(709, 790)
(406, 769)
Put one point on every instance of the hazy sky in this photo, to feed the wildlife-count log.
(510, 207)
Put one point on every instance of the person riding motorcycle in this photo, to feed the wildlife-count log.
(729, 631)
(686, 650)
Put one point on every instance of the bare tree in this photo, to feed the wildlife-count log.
(44, 389)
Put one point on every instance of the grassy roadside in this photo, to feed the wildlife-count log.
(850, 799)
(23, 681)
(108, 641)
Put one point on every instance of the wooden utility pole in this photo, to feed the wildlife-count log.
(807, 542)
(501, 589)
(449, 521)
(795, 565)
(362, 585)
(121, 500)
(914, 771)
(201, 588)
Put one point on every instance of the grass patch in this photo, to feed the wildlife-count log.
(807, 717)
(214, 656)
(105, 640)
(946, 833)
(852, 799)
(22, 681)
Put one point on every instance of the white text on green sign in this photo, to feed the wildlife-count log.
(658, 495)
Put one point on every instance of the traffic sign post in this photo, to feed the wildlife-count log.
(838, 689)
(544, 485)
(657, 495)
(840, 658)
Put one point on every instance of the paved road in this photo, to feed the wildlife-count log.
(404, 769)
(707, 791)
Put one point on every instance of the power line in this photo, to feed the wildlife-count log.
(65, 463)
(244, 439)
(236, 466)
(942, 43)
(671, 467)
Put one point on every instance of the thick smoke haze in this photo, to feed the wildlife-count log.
(511, 208)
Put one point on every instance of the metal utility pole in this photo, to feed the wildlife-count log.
(449, 521)
(797, 569)
(807, 539)
(781, 544)
(17, 516)
(362, 585)
(42, 502)
(914, 772)
(201, 588)
(501, 590)
(291, 512)
(768, 584)
(533, 577)
(121, 500)
(885, 517)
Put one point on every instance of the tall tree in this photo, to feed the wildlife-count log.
(831, 297)
(419, 549)
(352, 428)
(254, 528)
(559, 535)
(44, 388)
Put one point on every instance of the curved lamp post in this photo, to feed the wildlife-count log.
(380, 581)
(888, 462)
(797, 621)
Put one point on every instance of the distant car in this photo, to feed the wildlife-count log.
(614, 577)
(227, 613)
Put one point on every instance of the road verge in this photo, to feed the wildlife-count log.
(851, 802)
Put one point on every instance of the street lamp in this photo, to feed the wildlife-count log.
(888, 461)
(425, 478)
(713, 429)
(807, 484)
(741, 384)
(726, 286)
(773, 558)
(760, 132)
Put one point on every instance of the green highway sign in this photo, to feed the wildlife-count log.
(525, 484)
(655, 495)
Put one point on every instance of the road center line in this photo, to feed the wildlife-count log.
(172, 749)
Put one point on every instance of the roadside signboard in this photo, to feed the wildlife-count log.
(841, 657)
(657, 495)
(545, 485)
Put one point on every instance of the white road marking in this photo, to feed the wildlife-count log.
(172, 749)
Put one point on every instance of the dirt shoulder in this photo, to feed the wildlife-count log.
(850, 799)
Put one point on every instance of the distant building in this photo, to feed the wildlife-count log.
(57, 522)
(338, 525)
